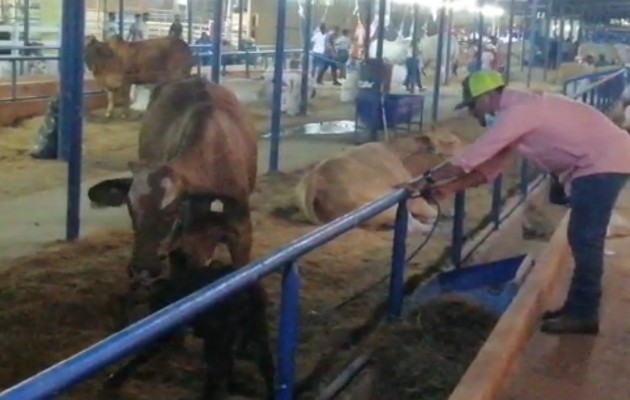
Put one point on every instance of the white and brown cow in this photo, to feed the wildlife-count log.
(190, 188)
(356, 177)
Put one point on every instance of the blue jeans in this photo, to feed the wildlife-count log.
(592, 200)
(413, 76)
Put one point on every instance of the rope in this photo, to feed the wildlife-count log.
(414, 253)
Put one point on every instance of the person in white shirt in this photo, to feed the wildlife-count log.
(414, 68)
(318, 48)
(330, 57)
(111, 26)
(138, 30)
(487, 58)
(343, 43)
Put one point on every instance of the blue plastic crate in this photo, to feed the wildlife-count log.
(399, 109)
(491, 285)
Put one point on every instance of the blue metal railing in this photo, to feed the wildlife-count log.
(85, 364)
(250, 59)
(600, 89)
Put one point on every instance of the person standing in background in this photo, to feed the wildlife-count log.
(330, 57)
(176, 29)
(136, 31)
(414, 68)
(111, 26)
(318, 47)
(343, 43)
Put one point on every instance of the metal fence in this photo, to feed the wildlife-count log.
(83, 365)
(247, 61)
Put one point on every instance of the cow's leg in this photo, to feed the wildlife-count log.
(110, 102)
(115, 380)
(125, 93)
(258, 334)
(239, 240)
(218, 354)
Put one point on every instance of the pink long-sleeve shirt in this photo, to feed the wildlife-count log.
(554, 133)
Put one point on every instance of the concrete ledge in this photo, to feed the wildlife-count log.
(488, 373)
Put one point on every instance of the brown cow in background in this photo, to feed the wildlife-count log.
(190, 190)
(117, 64)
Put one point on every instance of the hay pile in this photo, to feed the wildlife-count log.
(425, 356)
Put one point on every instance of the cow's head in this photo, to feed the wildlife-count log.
(163, 214)
(151, 196)
(95, 50)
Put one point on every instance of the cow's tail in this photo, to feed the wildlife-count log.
(305, 195)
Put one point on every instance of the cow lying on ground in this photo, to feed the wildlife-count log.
(117, 64)
(191, 187)
(361, 175)
(241, 318)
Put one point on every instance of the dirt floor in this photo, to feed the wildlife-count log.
(61, 300)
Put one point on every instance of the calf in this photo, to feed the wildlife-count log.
(238, 320)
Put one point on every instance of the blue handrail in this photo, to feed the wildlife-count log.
(75, 369)
(202, 58)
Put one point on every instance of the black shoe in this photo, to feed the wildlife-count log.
(567, 325)
(551, 314)
(337, 83)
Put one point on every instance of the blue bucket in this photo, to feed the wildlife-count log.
(399, 108)
(491, 285)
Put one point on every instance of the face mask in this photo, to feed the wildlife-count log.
(490, 120)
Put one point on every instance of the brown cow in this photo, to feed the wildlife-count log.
(117, 64)
(361, 175)
(191, 187)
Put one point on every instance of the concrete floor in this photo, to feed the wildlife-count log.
(579, 367)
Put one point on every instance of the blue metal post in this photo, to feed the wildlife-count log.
(121, 18)
(458, 229)
(508, 62)
(240, 27)
(71, 108)
(438, 65)
(189, 17)
(368, 27)
(523, 39)
(546, 43)
(288, 335)
(415, 36)
(397, 277)
(532, 40)
(306, 53)
(524, 181)
(27, 22)
(480, 30)
(497, 187)
(449, 37)
(382, 5)
(217, 37)
(380, 36)
(276, 116)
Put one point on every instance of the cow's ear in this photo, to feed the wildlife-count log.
(110, 193)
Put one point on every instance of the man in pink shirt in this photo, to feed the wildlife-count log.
(579, 145)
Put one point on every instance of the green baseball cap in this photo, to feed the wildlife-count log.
(477, 84)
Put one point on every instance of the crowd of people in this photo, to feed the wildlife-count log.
(138, 30)
(331, 49)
